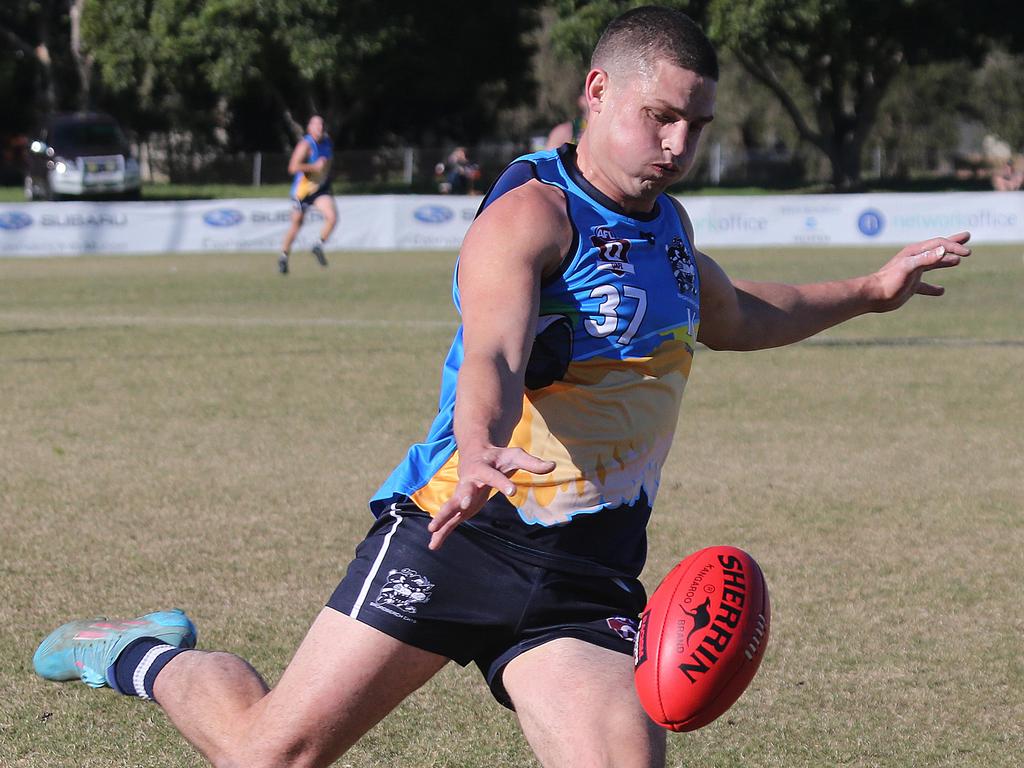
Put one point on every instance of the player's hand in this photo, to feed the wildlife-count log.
(900, 278)
(320, 164)
(478, 477)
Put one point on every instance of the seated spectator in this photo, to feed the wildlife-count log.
(1010, 177)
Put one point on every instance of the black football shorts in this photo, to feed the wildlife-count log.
(304, 203)
(477, 599)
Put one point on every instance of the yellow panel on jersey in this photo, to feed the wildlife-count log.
(607, 426)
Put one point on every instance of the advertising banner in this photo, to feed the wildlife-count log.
(439, 222)
(868, 219)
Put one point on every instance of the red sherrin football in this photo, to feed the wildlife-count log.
(701, 638)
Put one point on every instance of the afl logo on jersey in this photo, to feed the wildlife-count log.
(611, 252)
(683, 269)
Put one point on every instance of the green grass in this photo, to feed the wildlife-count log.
(196, 431)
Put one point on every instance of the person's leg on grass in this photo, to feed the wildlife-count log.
(325, 204)
(578, 707)
(298, 214)
(344, 678)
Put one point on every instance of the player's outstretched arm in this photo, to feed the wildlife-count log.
(743, 315)
(508, 249)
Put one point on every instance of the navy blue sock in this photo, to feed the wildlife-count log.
(135, 669)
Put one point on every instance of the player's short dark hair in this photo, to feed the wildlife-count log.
(650, 33)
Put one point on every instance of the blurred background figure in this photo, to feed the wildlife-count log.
(571, 130)
(310, 164)
(1010, 177)
(457, 175)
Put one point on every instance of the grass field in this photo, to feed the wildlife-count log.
(196, 431)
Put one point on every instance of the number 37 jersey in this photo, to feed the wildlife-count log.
(614, 343)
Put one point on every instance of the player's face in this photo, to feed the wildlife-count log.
(650, 128)
(316, 128)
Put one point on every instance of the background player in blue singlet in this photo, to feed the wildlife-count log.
(511, 537)
(310, 166)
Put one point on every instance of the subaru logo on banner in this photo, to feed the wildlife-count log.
(433, 214)
(223, 217)
(871, 222)
(15, 220)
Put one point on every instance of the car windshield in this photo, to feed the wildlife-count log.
(87, 135)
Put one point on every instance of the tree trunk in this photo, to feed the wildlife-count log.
(83, 60)
(844, 154)
(40, 54)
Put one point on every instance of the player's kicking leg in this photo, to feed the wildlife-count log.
(578, 708)
(344, 678)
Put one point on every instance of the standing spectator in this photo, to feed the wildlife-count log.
(458, 175)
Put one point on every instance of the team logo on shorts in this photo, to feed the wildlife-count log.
(683, 268)
(405, 590)
(623, 627)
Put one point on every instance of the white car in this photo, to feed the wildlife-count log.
(81, 155)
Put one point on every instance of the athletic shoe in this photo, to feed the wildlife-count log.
(282, 265)
(87, 648)
(318, 251)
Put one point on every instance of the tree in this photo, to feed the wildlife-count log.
(582, 21)
(377, 71)
(997, 96)
(829, 63)
(36, 37)
(845, 54)
(907, 142)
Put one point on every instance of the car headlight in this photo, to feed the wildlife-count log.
(60, 166)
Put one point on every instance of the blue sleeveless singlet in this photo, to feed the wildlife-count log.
(614, 344)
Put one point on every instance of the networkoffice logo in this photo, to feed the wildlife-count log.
(871, 222)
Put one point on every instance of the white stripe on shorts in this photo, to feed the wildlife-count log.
(139, 677)
(376, 563)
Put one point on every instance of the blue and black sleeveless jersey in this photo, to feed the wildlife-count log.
(305, 184)
(613, 348)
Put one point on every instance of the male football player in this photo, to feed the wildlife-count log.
(310, 166)
(513, 535)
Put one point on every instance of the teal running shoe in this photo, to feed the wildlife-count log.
(87, 648)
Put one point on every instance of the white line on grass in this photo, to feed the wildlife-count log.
(50, 320)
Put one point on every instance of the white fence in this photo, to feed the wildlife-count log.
(429, 222)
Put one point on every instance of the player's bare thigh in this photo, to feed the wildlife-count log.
(325, 204)
(578, 707)
(344, 678)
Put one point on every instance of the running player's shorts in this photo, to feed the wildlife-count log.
(302, 204)
(478, 599)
